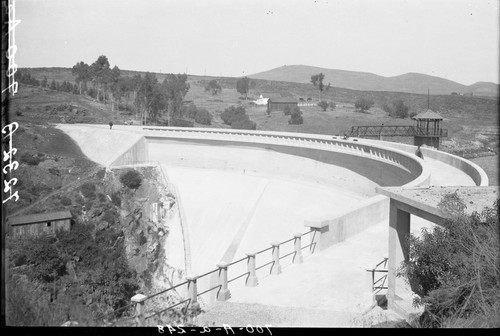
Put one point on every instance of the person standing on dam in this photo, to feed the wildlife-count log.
(110, 125)
(419, 153)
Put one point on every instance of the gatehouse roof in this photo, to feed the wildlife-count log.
(428, 115)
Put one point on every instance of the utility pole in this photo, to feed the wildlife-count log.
(428, 99)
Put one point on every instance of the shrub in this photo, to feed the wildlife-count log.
(332, 105)
(131, 179)
(386, 108)
(88, 190)
(287, 110)
(65, 201)
(203, 117)
(233, 114)
(245, 124)
(109, 217)
(364, 104)
(190, 110)
(31, 160)
(412, 114)
(454, 267)
(115, 198)
(400, 110)
(41, 254)
(296, 117)
(323, 104)
(101, 173)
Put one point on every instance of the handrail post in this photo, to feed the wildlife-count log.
(297, 258)
(276, 268)
(320, 236)
(194, 306)
(139, 300)
(223, 294)
(252, 280)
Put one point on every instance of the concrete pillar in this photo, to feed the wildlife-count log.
(399, 230)
(252, 280)
(223, 294)
(369, 278)
(193, 293)
(276, 268)
(297, 258)
(319, 236)
(139, 300)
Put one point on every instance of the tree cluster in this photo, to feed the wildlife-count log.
(237, 118)
(296, 116)
(200, 115)
(363, 103)
(317, 82)
(213, 87)
(243, 86)
(99, 274)
(151, 98)
(397, 110)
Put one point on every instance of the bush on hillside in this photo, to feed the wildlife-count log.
(131, 179)
(88, 190)
(399, 110)
(32, 160)
(332, 105)
(116, 199)
(454, 268)
(364, 104)
(323, 104)
(190, 110)
(65, 201)
(233, 114)
(203, 117)
(296, 117)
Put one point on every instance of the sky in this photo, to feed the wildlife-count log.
(453, 39)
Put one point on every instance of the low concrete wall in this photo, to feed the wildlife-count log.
(332, 231)
(384, 166)
(136, 153)
(477, 174)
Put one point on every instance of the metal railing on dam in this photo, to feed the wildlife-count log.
(147, 313)
(391, 156)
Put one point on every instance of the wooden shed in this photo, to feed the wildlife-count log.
(279, 103)
(39, 224)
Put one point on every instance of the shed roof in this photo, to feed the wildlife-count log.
(37, 218)
(282, 100)
(428, 114)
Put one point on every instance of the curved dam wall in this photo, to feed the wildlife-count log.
(477, 174)
(383, 166)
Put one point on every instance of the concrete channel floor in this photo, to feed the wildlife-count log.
(330, 288)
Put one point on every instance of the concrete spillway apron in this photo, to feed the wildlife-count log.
(231, 250)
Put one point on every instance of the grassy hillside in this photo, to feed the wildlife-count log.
(472, 122)
(410, 82)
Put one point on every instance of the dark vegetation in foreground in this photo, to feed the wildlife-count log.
(455, 269)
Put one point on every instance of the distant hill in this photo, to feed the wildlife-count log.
(365, 81)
